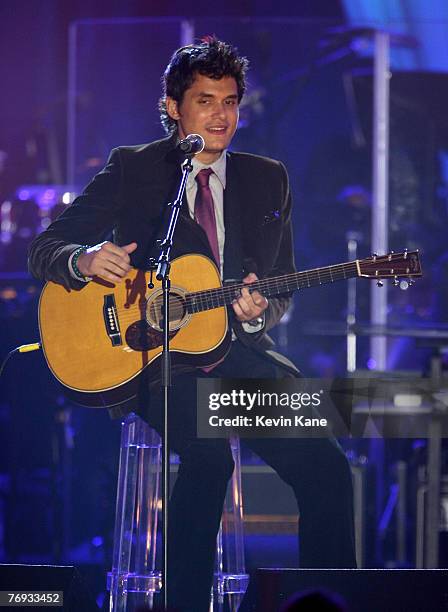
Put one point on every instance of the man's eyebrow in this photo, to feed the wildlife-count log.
(204, 94)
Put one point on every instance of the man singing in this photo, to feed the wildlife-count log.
(237, 212)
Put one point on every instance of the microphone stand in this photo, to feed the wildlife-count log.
(163, 271)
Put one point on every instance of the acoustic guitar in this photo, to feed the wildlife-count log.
(98, 341)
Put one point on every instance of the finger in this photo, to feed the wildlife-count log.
(129, 248)
(110, 276)
(250, 307)
(248, 296)
(122, 261)
(246, 307)
(245, 293)
(259, 300)
(237, 310)
(110, 247)
(99, 267)
(113, 268)
(250, 278)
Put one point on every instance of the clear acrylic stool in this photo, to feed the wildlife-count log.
(134, 579)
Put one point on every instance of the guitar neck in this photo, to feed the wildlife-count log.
(224, 296)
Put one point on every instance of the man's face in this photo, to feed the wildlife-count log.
(209, 108)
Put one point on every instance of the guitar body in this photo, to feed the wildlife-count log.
(99, 340)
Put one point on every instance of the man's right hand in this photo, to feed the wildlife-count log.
(106, 260)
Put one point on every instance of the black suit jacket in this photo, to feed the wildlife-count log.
(128, 197)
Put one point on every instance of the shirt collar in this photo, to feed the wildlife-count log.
(218, 167)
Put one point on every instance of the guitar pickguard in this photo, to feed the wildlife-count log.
(142, 337)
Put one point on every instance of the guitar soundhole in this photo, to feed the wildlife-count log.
(178, 311)
(142, 337)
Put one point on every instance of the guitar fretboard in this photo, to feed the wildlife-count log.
(223, 296)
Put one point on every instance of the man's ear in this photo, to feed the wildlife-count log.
(172, 108)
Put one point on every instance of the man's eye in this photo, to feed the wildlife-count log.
(230, 102)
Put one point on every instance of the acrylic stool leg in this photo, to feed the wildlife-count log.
(134, 578)
(230, 575)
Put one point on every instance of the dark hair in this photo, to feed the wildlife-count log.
(212, 58)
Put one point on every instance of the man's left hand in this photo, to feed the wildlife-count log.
(249, 306)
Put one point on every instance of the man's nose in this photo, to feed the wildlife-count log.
(219, 110)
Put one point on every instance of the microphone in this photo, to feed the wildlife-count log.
(192, 144)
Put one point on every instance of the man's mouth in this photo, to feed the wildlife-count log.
(217, 129)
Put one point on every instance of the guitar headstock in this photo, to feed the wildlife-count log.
(395, 265)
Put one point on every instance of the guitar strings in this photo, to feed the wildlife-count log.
(217, 297)
(207, 298)
(320, 274)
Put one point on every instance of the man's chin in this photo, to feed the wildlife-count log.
(215, 148)
(216, 144)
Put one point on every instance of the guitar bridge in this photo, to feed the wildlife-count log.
(111, 320)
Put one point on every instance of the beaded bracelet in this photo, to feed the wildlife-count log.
(74, 263)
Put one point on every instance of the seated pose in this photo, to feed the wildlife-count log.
(237, 212)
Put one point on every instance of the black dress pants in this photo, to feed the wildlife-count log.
(316, 469)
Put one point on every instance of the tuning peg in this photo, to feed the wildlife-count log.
(374, 256)
(396, 282)
(405, 256)
(379, 283)
(405, 283)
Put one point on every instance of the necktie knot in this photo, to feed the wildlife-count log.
(203, 177)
